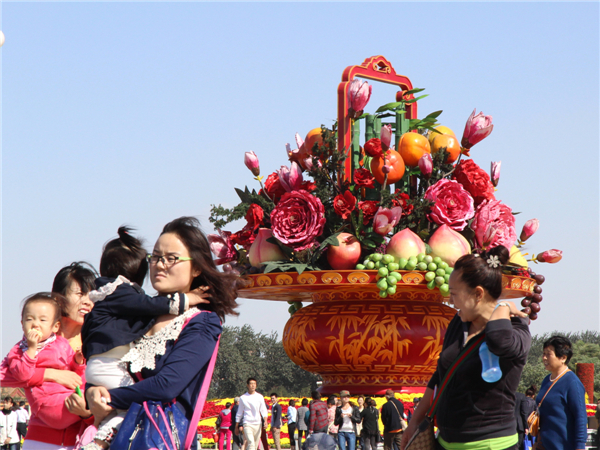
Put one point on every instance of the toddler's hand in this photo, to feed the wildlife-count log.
(79, 359)
(198, 296)
(33, 337)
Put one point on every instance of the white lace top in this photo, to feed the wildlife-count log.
(144, 350)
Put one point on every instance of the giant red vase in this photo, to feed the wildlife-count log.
(357, 340)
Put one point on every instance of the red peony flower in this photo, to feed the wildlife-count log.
(401, 200)
(298, 219)
(453, 204)
(344, 204)
(245, 237)
(274, 187)
(254, 217)
(369, 208)
(475, 180)
(364, 178)
(308, 186)
(492, 214)
(373, 148)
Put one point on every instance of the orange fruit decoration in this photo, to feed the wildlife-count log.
(396, 164)
(412, 147)
(446, 139)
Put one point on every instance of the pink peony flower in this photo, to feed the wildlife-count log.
(550, 256)
(529, 229)
(222, 247)
(386, 219)
(298, 219)
(478, 127)
(251, 161)
(290, 178)
(453, 204)
(359, 93)
(493, 214)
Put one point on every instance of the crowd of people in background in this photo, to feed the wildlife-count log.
(349, 426)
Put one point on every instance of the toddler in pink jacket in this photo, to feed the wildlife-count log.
(42, 348)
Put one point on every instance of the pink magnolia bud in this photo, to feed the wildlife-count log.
(495, 172)
(386, 219)
(359, 93)
(426, 165)
(478, 127)
(489, 235)
(386, 136)
(290, 178)
(529, 229)
(550, 256)
(299, 140)
(251, 161)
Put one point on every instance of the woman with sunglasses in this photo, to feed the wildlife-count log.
(173, 359)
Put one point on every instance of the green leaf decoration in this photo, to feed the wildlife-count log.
(289, 253)
(413, 91)
(434, 114)
(244, 195)
(417, 99)
(389, 107)
(283, 266)
(331, 240)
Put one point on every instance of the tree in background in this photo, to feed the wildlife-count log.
(244, 353)
(586, 349)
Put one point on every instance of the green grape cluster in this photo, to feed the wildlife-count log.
(438, 272)
(386, 267)
(294, 306)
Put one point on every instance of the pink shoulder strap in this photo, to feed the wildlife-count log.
(202, 396)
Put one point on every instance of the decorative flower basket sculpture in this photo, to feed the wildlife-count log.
(371, 238)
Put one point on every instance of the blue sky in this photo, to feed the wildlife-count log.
(138, 113)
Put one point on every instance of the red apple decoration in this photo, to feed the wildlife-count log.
(346, 254)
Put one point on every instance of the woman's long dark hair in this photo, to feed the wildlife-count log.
(222, 285)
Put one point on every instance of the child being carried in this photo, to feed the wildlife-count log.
(122, 313)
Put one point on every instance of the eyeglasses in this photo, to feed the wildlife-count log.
(167, 260)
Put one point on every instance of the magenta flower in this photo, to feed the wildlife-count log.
(251, 161)
(386, 136)
(359, 93)
(529, 229)
(453, 205)
(494, 214)
(495, 172)
(386, 219)
(298, 219)
(426, 165)
(222, 247)
(478, 127)
(550, 256)
(290, 178)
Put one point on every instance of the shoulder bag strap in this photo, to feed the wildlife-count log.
(399, 415)
(201, 398)
(463, 355)
(553, 383)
